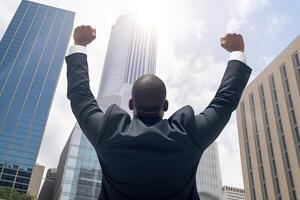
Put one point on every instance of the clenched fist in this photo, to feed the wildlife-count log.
(84, 35)
(233, 42)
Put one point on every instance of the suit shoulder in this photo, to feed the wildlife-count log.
(185, 110)
(116, 111)
(184, 116)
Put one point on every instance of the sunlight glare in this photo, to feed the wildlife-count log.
(148, 11)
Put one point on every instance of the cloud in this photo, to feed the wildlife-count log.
(277, 23)
(265, 60)
(241, 10)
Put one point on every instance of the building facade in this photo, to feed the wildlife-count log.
(47, 189)
(35, 180)
(31, 56)
(233, 193)
(268, 119)
(208, 177)
(131, 53)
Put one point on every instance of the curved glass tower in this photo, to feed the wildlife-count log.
(131, 53)
(208, 177)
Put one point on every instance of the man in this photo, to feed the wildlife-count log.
(148, 157)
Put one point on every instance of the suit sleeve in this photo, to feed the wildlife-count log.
(89, 116)
(213, 119)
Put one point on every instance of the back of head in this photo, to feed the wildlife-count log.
(149, 95)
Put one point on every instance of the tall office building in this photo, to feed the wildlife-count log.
(268, 119)
(31, 56)
(233, 193)
(131, 53)
(208, 177)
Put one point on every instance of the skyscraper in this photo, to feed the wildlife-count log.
(268, 124)
(208, 177)
(31, 56)
(131, 53)
(233, 193)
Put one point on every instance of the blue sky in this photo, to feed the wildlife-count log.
(277, 25)
(189, 60)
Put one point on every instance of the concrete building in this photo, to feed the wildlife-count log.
(35, 180)
(131, 53)
(31, 56)
(268, 119)
(233, 193)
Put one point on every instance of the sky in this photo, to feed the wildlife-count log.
(189, 57)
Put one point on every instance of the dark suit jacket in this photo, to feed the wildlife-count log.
(157, 160)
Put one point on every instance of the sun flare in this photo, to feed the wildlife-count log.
(148, 11)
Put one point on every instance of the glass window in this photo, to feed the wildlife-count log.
(71, 162)
(7, 177)
(6, 183)
(10, 171)
(271, 150)
(283, 142)
(297, 134)
(66, 188)
(287, 160)
(76, 137)
(289, 105)
(69, 175)
(293, 117)
(65, 197)
(291, 181)
(23, 180)
(277, 185)
(24, 174)
(274, 166)
(74, 151)
(21, 186)
(296, 60)
(280, 126)
(290, 101)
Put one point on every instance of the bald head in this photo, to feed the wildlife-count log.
(149, 96)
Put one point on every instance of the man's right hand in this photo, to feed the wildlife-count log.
(233, 42)
(84, 35)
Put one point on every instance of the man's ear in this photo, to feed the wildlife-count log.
(166, 105)
(130, 104)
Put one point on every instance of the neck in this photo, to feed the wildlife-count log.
(149, 120)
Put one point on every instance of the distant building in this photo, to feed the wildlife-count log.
(31, 56)
(35, 180)
(208, 177)
(268, 119)
(47, 189)
(131, 53)
(233, 193)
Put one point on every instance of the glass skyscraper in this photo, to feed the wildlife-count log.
(31, 56)
(208, 177)
(131, 53)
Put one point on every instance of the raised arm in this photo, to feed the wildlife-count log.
(213, 119)
(83, 104)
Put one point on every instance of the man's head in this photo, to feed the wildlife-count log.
(148, 97)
